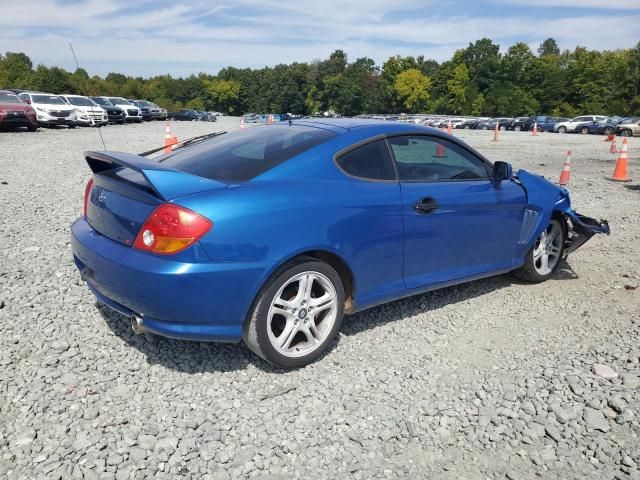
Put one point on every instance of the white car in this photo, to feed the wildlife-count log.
(50, 109)
(131, 112)
(570, 126)
(88, 112)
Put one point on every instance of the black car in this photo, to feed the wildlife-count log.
(185, 114)
(157, 113)
(490, 124)
(147, 116)
(519, 123)
(114, 114)
(470, 124)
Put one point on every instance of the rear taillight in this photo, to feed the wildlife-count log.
(170, 229)
(87, 192)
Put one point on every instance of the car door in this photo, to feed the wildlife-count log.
(457, 222)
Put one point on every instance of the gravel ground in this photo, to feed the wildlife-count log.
(492, 379)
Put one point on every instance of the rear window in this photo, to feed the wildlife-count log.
(6, 97)
(244, 154)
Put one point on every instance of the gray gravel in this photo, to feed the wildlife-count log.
(492, 379)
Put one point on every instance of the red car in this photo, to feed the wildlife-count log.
(14, 113)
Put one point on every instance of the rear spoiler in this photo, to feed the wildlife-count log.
(166, 182)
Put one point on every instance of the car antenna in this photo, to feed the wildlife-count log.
(78, 67)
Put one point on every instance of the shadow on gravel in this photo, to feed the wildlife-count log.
(635, 188)
(201, 357)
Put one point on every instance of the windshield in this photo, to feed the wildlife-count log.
(244, 154)
(119, 101)
(80, 101)
(102, 101)
(47, 99)
(6, 97)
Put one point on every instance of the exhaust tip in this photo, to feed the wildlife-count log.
(137, 325)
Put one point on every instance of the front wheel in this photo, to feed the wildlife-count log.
(544, 257)
(626, 133)
(562, 129)
(584, 131)
(608, 131)
(517, 128)
(297, 314)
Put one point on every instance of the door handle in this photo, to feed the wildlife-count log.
(425, 205)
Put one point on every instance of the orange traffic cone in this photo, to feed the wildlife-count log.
(610, 137)
(620, 172)
(565, 174)
(449, 128)
(169, 141)
(270, 120)
(242, 125)
(496, 133)
(534, 132)
(613, 148)
(440, 151)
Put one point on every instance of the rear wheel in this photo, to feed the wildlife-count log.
(544, 257)
(626, 133)
(503, 128)
(608, 131)
(297, 314)
(584, 131)
(517, 128)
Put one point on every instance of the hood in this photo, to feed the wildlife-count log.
(64, 108)
(15, 107)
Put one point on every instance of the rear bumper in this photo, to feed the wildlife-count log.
(194, 301)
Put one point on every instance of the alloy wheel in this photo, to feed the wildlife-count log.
(302, 314)
(547, 249)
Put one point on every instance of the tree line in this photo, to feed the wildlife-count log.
(477, 80)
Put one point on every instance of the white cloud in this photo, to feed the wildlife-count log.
(176, 39)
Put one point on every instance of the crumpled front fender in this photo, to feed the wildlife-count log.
(544, 198)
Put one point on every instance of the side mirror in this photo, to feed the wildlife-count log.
(501, 171)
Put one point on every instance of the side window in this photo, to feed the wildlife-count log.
(370, 161)
(430, 159)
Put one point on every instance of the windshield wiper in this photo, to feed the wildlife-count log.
(184, 143)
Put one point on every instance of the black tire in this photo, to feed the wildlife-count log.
(608, 131)
(626, 133)
(562, 129)
(502, 128)
(32, 128)
(72, 126)
(517, 128)
(585, 131)
(528, 271)
(256, 334)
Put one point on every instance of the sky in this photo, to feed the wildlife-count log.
(146, 38)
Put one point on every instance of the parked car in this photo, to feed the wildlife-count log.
(145, 111)
(14, 113)
(88, 112)
(157, 113)
(185, 114)
(490, 124)
(50, 109)
(629, 127)
(469, 124)
(114, 114)
(569, 126)
(517, 124)
(131, 112)
(167, 244)
(601, 127)
(206, 117)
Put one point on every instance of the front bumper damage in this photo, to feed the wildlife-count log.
(548, 200)
(581, 229)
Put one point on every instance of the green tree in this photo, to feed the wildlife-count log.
(412, 89)
(225, 93)
(457, 87)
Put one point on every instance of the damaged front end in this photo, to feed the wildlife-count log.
(547, 199)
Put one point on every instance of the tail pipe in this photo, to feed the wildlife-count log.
(137, 325)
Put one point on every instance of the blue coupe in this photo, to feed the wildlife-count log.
(271, 234)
